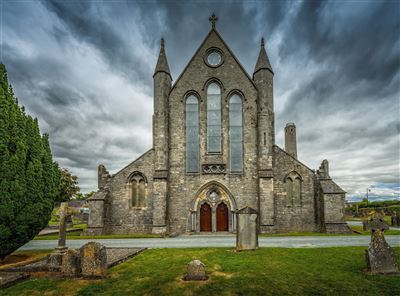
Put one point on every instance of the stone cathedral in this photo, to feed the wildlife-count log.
(214, 153)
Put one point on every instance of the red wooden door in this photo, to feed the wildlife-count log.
(222, 217)
(205, 217)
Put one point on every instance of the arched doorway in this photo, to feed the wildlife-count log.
(222, 217)
(205, 217)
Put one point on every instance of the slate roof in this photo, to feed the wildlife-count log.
(99, 195)
(263, 60)
(162, 63)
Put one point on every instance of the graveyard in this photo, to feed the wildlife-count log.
(280, 271)
(247, 269)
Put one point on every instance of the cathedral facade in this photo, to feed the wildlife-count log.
(214, 153)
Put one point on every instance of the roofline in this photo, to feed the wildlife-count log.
(263, 68)
(294, 158)
(198, 49)
(162, 71)
(132, 162)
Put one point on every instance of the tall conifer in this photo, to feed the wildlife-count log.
(28, 175)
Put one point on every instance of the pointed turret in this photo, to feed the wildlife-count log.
(162, 63)
(263, 60)
(162, 86)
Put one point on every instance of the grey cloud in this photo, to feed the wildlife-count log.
(336, 75)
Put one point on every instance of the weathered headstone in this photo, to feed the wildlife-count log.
(247, 233)
(196, 271)
(395, 220)
(380, 257)
(93, 260)
(55, 258)
(71, 265)
(62, 235)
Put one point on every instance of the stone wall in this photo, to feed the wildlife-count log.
(293, 218)
(124, 218)
(182, 186)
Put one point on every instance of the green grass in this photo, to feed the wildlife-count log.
(354, 228)
(267, 271)
(361, 231)
(388, 219)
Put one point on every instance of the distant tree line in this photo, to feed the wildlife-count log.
(378, 204)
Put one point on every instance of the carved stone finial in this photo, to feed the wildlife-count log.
(213, 19)
(262, 42)
(162, 42)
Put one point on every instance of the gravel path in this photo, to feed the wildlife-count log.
(192, 241)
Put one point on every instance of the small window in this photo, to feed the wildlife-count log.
(293, 189)
(138, 190)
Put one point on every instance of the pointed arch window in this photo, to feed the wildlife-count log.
(213, 118)
(138, 190)
(192, 134)
(236, 133)
(293, 189)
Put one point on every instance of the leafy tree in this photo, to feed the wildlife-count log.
(28, 175)
(68, 185)
(81, 196)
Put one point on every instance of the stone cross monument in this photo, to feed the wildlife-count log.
(380, 257)
(63, 226)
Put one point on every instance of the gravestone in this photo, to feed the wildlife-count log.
(196, 271)
(55, 258)
(71, 263)
(380, 257)
(395, 220)
(62, 235)
(93, 260)
(247, 232)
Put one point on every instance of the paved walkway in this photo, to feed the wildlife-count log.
(194, 241)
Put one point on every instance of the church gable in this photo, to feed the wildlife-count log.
(198, 71)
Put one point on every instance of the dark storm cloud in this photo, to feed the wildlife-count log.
(83, 21)
(84, 69)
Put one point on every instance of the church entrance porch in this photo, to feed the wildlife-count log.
(213, 210)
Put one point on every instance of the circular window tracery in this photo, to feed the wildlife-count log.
(214, 57)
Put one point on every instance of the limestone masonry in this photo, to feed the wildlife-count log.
(213, 154)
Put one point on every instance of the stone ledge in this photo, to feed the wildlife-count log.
(265, 174)
(7, 279)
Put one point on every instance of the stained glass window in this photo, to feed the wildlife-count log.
(236, 134)
(214, 118)
(192, 134)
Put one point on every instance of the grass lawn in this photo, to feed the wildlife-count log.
(267, 271)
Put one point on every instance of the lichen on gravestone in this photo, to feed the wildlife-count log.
(93, 258)
(196, 271)
(379, 256)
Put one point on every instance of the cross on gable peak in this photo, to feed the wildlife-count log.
(213, 19)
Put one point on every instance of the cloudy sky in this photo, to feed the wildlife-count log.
(85, 70)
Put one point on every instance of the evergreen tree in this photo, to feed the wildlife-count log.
(29, 178)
